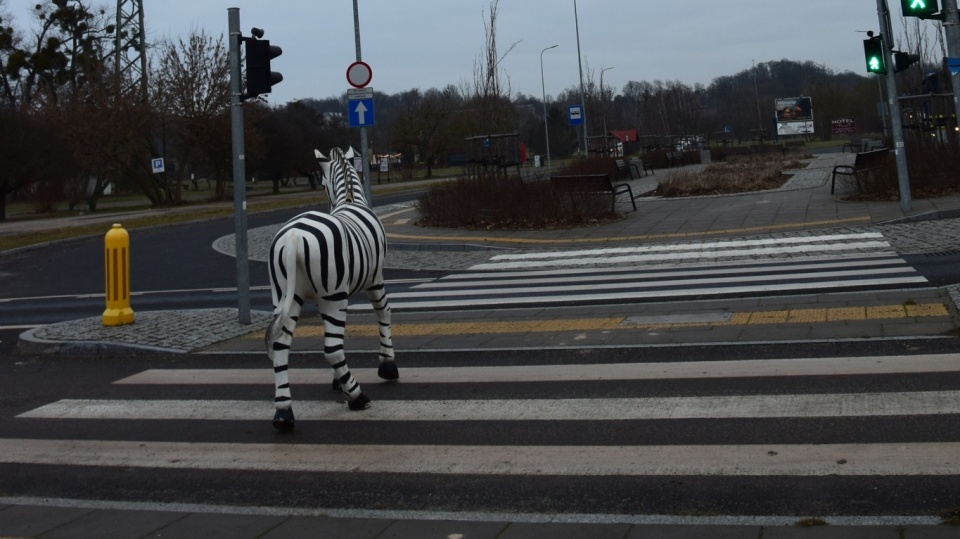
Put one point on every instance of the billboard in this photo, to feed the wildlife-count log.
(794, 116)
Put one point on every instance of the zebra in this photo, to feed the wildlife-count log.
(328, 257)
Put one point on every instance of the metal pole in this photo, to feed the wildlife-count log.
(543, 88)
(583, 99)
(896, 122)
(603, 111)
(951, 29)
(239, 171)
(363, 130)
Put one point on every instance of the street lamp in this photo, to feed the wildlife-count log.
(603, 109)
(543, 87)
(583, 99)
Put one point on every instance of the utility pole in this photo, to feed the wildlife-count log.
(896, 122)
(130, 51)
(239, 170)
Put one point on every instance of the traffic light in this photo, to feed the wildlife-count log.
(924, 9)
(903, 60)
(259, 52)
(873, 53)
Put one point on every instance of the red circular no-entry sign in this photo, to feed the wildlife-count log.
(359, 74)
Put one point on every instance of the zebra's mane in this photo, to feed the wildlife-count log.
(341, 180)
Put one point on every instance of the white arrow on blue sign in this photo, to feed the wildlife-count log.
(954, 65)
(360, 112)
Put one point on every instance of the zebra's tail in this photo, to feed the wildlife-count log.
(281, 312)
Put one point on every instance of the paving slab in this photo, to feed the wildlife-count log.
(565, 531)
(695, 532)
(32, 521)
(322, 527)
(443, 529)
(115, 524)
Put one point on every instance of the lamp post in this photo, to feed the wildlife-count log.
(543, 88)
(603, 110)
(583, 99)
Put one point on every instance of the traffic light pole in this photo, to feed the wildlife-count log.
(896, 121)
(239, 170)
(951, 28)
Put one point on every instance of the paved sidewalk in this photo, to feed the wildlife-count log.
(98, 520)
(803, 207)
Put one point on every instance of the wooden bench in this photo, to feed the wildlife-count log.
(675, 158)
(593, 183)
(864, 163)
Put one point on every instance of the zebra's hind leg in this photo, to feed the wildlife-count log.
(377, 295)
(278, 339)
(334, 315)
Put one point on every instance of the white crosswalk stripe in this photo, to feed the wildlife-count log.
(619, 283)
(587, 456)
(773, 265)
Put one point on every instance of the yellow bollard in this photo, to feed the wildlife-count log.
(117, 268)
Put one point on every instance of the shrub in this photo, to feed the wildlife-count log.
(495, 202)
(738, 174)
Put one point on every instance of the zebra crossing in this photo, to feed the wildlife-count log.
(821, 263)
(702, 417)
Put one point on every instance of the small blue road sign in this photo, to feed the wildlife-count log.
(954, 65)
(575, 113)
(360, 112)
(157, 165)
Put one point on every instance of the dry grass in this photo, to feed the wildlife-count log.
(741, 174)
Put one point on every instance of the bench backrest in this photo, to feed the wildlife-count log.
(586, 182)
(871, 159)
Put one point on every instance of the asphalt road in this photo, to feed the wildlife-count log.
(29, 383)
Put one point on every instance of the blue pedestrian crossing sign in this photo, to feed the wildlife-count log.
(360, 107)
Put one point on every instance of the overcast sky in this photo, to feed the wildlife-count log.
(432, 43)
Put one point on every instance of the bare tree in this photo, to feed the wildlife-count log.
(192, 95)
(489, 97)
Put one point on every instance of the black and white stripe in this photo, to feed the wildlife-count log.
(328, 258)
(645, 432)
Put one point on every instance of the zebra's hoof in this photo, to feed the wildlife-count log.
(388, 370)
(283, 420)
(362, 402)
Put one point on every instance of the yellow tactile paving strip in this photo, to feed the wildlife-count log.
(787, 316)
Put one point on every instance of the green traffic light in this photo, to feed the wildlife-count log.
(924, 9)
(873, 54)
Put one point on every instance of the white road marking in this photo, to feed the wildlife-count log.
(397, 299)
(696, 246)
(630, 409)
(747, 368)
(898, 459)
(598, 256)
